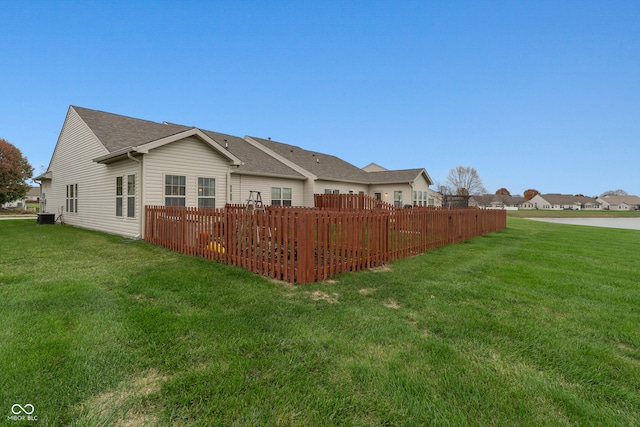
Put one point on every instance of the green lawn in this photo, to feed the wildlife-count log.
(534, 325)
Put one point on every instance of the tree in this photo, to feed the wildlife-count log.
(614, 193)
(15, 170)
(503, 192)
(530, 194)
(464, 180)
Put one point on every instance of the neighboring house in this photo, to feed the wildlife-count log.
(32, 196)
(402, 187)
(620, 203)
(497, 201)
(555, 201)
(106, 168)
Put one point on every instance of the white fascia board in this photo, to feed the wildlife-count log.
(107, 158)
(281, 159)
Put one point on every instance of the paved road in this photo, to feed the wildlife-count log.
(627, 223)
(18, 217)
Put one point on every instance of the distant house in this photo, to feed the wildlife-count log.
(106, 168)
(32, 196)
(554, 201)
(620, 203)
(497, 201)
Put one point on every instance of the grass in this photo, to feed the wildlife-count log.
(534, 325)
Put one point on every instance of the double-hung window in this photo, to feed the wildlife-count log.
(118, 196)
(397, 199)
(131, 196)
(72, 198)
(280, 196)
(175, 190)
(206, 192)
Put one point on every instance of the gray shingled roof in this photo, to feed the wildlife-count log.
(617, 200)
(394, 176)
(255, 161)
(324, 166)
(116, 132)
(567, 199)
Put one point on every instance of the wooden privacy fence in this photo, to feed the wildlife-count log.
(308, 244)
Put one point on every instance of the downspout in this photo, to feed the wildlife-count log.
(140, 180)
(228, 185)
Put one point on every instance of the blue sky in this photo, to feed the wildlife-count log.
(533, 94)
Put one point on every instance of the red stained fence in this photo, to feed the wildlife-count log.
(306, 245)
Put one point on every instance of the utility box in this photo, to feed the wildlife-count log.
(46, 218)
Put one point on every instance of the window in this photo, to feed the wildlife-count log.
(378, 196)
(131, 196)
(331, 191)
(397, 199)
(118, 196)
(72, 198)
(175, 190)
(280, 196)
(206, 192)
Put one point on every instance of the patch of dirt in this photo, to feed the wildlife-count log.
(392, 303)
(385, 268)
(119, 405)
(365, 291)
(319, 295)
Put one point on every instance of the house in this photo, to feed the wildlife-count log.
(106, 168)
(31, 197)
(497, 201)
(620, 203)
(554, 201)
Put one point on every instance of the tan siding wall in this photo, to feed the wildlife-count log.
(191, 158)
(243, 184)
(71, 164)
(344, 187)
(387, 191)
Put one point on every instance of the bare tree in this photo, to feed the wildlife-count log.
(614, 193)
(464, 180)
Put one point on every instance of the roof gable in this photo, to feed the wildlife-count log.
(398, 176)
(323, 166)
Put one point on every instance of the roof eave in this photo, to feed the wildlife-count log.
(115, 156)
(270, 175)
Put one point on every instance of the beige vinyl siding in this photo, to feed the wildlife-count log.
(243, 184)
(343, 187)
(387, 192)
(420, 185)
(72, 163)
(190, 158)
